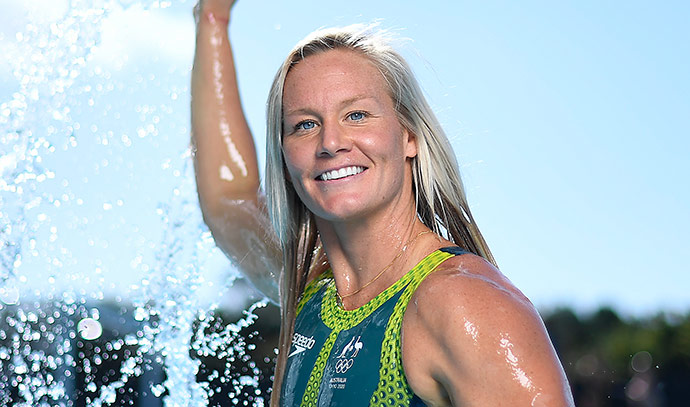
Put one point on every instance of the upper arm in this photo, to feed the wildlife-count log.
(473, 340)
(244, 233)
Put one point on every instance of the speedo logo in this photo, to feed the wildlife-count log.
(301, 343)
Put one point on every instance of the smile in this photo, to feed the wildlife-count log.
(341, 173)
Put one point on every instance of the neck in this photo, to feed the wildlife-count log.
(368, 256)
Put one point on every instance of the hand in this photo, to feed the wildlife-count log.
(217, 9)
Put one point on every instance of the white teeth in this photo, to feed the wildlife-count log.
(341, 173)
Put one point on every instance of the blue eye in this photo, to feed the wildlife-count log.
(356, 116)
(305, 125)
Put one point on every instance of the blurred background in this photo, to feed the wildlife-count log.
(570, 121)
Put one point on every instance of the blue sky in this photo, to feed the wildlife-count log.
(570, 120)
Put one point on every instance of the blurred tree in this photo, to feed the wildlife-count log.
(615, 362)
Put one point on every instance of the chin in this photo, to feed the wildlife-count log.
(341, 210)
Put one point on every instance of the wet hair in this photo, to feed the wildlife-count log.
(439, 194)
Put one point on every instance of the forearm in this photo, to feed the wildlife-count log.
(224, 153)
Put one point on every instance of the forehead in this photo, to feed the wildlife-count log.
(333, 74)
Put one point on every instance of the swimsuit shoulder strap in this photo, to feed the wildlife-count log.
(393, 383)
(313, 287)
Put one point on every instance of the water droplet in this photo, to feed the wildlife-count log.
(9, 295)
(140, 314)
(248, 381)
(157, 390)
(89, 328)
(641, 361)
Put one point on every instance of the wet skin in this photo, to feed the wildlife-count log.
(471, 338)
(348, 159)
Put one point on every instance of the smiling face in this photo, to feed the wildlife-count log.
(346, 153)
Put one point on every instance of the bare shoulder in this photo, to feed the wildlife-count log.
(470, 301)
(475, 284)
(470, 337)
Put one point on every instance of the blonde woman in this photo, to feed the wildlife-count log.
(388, 292)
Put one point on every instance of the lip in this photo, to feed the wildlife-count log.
(340, 173)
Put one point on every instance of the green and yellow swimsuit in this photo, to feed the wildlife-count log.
(353, 358)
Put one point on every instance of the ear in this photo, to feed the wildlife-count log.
(411, 143)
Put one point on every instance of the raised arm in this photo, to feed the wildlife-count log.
(225, 161)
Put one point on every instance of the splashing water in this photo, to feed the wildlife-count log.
(106, 270)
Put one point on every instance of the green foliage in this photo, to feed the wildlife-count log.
(612, 361)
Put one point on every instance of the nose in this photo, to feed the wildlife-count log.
(333, 140)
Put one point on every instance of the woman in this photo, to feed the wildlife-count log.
(389, 294)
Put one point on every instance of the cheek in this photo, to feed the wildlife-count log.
(293, 163)
(293, 177)
(288, 155)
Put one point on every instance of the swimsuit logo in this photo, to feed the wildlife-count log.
(343, 365)
(301, 343)
(347, 357)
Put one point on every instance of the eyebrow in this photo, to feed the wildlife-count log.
(354, 99)
(341, 105)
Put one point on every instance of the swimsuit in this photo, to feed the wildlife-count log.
(353, 358)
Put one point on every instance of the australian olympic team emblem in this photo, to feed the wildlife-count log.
(347, 356)
(343, 365)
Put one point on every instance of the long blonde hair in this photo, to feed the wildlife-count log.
(439, 193)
